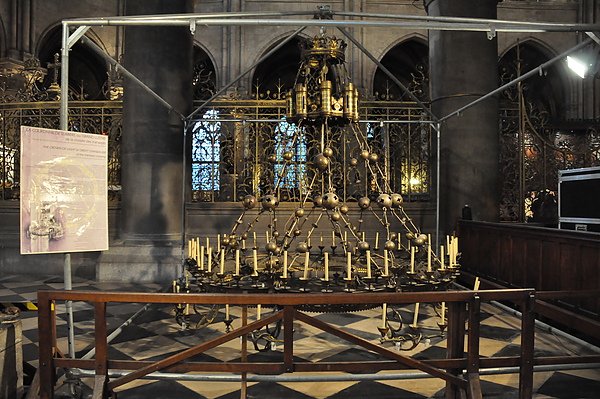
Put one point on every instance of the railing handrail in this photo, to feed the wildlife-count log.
(293, 299)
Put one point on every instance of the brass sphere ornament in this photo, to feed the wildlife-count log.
(269, 202)
(330, 200)
(318, 201)
(363, 246)
(353, 161)
(390, 245)
(328, 152)
(384, 200)
(393, 236)
(373, 157)
(288, 155)
(297, 232)
(299, 212)
(335, 216)
(272, 158)
(421, 239)
(410, 235)
(302, 247)
(271, 246)
(397, 200)
(364, 202)
(364, 154)
(322, 161)
(344, 209)
(225, 240)
(249, 201)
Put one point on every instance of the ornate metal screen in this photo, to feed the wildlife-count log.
(532, 152)
(252, 137)
(97, 117)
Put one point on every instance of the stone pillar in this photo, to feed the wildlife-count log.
(152, 147)
(463, 67)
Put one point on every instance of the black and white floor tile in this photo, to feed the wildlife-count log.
(154, 334)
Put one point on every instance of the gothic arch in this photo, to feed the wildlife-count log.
(87, 71)
(408, 60)
(548, 91)
(205, 79)
(280, 68)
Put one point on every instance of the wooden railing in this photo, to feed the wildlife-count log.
(461, 304)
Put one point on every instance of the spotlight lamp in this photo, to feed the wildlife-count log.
(578, 66)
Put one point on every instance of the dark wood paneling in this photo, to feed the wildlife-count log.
(546, 259)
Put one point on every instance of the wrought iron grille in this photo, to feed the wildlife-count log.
(252, 136)
(97, 117)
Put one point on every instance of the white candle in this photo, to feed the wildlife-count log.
(326, 261)
(349, 265)
(412, 260)
(190, 247)
(255, 262)
(227, 312)
(237, 262)
(308, 242)
(376, 240)
(254, 237)
(267, 236)
(306, 260)
(187, 309)
(207, 242)
(442, 257)
(258, 311)
(416, 316)
(244, 244)
(197, 248)
(363, 235)
(222, 263)
(368, 263)
(218, 242)
(209, 260)
(332, 238)
(429, 254)
(385, 262)
(443, 313)
(285, 261)
(448, 244)
(383, 315)
(321, 238)
(202, 257)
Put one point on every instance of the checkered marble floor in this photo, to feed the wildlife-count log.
(154, 334)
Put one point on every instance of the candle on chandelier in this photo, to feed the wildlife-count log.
(244, 243)
(429, 253)
(412, 260)
(333, 238)
(218, 242)
(383, 315)
(385, 262)
(255, 262)
(306, 260)
(209, 260)
(258, 311)
(222, 263)
(416, 316)
(254, 237)
(227, 311)
(326, 265)
(376, 240)
(368, 263)
(442, 257)
(285, 264)
(202, 257)
(448, 245)
(443, 313)
(197, 248)
(237, 262)
(349, 265)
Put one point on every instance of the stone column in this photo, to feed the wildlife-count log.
(463, 67)
(152, 147)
